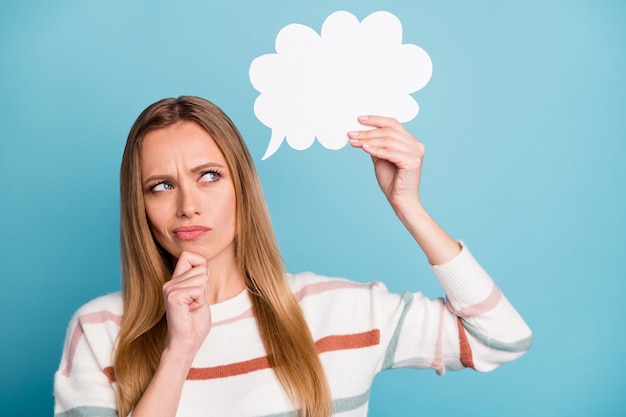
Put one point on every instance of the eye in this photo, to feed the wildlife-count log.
(210, 176)
(162, 186)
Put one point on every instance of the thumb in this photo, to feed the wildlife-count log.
(186, 261)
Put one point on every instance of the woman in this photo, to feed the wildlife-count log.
(209, 323)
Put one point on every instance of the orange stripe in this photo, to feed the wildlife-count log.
(326, 344)
(110, 374)
(224, 371)
(467, 358)
(349, 341)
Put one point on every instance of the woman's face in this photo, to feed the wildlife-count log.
(188, 192)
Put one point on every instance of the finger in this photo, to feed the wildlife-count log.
(192, 288)
(385, 154)
(384, 126)
(186, 261)
(188, 278)
(412, 149)
(401, 156)
(198, 275)
(388, 133)
(380, 121)
(193, 297)
(387, 142)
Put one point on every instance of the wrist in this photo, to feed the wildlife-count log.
(178, 355)
(410, 211)
(437, 245)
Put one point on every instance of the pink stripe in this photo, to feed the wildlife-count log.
(325, 286)
(437, 363)
(244, 315)
(307, 290)
(90, 318)
(477, 309)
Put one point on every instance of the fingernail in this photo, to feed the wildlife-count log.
(353, 134)
(364, 117)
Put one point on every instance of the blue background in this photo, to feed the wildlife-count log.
(524, 126)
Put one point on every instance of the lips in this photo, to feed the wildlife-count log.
(190, 232)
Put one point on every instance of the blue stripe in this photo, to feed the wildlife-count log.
(390, 354)
(88, 411)
(340, 405)
(516, 346)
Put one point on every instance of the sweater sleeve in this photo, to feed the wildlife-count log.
(475, 326)
(83, 384)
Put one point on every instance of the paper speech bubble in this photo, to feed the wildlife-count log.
(318, 85)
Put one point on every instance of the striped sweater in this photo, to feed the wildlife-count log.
(359, 330)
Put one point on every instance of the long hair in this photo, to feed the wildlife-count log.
(146, 266)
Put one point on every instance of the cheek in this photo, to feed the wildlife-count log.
(157, 227)
(223, 215)
(156, 218)
(232, 212)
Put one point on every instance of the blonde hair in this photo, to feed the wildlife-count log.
(146, 267)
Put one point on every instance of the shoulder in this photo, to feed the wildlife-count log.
(306, 284)
(100, 314)
(92, 332)
(302, 279)
(111, 303)
(343, 308)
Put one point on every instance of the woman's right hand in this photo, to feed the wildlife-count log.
(188, 324)
(187, 305)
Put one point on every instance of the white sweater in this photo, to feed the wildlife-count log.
(359, 330)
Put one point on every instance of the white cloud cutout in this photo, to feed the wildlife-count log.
(317, 85)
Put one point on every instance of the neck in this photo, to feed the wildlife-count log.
(225, 279)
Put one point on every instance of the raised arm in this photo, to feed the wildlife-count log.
(477, 326)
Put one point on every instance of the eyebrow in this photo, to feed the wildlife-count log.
(194, 170)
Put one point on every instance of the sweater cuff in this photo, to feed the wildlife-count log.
(463, 279)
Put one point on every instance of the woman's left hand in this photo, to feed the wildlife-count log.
(397, 157)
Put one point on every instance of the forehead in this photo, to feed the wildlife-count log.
(184, 144)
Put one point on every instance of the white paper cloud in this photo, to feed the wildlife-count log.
(317, 85)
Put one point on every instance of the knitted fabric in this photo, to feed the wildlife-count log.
(359, 330)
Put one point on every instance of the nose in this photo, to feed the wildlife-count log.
(189, 202)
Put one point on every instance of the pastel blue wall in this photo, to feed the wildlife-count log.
(524, 126)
